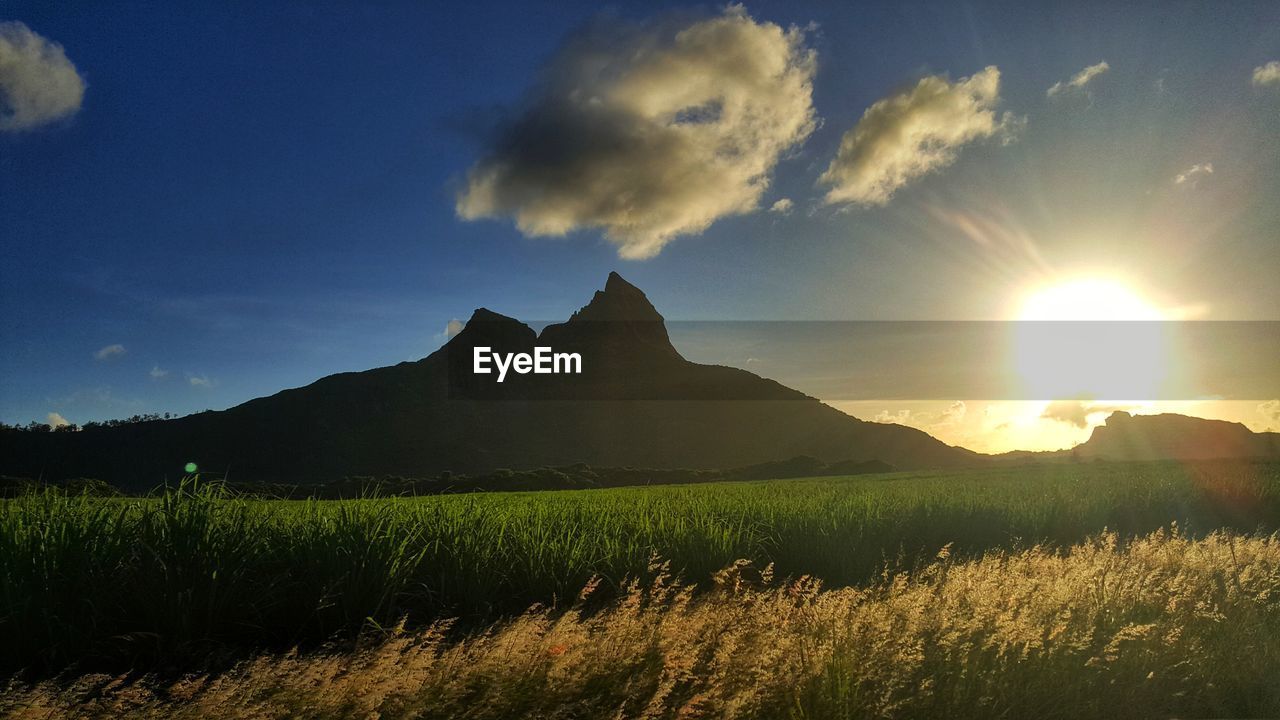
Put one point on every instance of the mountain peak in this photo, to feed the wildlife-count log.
(618, 301)
(619, 321)
(487, 327)
(483, 314)
(616, 283)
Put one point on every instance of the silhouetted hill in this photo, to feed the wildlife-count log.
(1175, 437)
(637, 403)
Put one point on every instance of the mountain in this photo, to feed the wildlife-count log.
(637, 402)
(1175, 437)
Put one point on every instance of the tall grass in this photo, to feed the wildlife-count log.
(196, 576)
(1162, 626)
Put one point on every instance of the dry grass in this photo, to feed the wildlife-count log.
(1161, 626)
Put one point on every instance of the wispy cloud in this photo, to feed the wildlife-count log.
(649, 132)
(1267, 75)
(38, 84)
(109, 352)
(1270, 410)
(202, 381)
(955, 412)
(56, 420)
(901, 417)
(782, 207)
(158, 373)
(1080, 81)
(952, 415)
(914, 133)
(1192, 176)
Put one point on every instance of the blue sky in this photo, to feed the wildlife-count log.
(250, 196)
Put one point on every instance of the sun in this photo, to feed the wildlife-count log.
(1087, 299)
(1089, 338)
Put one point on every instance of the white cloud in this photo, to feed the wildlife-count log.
(110, 351)
(1267, 75)
(649, 132)
(905, 136)
(200, 381)
(1079, 81)
(451, 328)
(902, 417)
(158, 373)
(783, 206)
(38, 84)
(1270, 410)
(55, 420)
(1192, 176)
(953, 414)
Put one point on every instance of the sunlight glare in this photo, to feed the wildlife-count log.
(1088, 356)
(1088, 300)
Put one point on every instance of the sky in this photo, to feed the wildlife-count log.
(201, 204)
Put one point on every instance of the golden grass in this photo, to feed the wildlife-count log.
(1161, 626)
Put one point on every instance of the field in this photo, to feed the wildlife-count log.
(943, 590)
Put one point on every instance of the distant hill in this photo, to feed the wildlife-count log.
(1175, 437)
(637, 403)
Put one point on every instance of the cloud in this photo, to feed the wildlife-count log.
(38, 84)
(110, 351)
(451, 328)
(902, 417)
(1076, 412)
(954, 413)
(1192, 176)
(200, 381)
(1270, 410)
(783, 206)
(649, 132)
(1079, 81)
(158, 373)
(1267, 75)
(916, 132)
(55, 420)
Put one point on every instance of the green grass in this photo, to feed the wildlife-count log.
(193, 576)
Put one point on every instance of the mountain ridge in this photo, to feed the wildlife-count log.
(1171, 436)
(637, 403)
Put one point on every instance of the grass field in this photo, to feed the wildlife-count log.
(1156, 627)
(194, 578)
